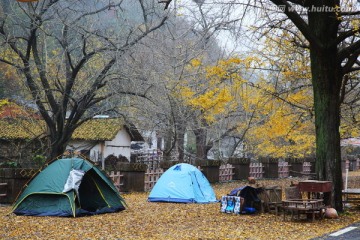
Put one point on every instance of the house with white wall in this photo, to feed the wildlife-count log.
(99, 138)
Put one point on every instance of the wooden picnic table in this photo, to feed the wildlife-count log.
(314, 188)
(302, 206)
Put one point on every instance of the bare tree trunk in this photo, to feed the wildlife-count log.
(181, 141)
(168, 145)
(201, 140)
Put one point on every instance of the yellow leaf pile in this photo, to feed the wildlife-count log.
(145, 220)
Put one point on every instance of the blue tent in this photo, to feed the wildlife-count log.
(182, 183)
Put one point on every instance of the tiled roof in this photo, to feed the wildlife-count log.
(92, 130)
(98, 129)
(20, 128)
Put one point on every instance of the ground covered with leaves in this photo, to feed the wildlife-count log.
(145, 220)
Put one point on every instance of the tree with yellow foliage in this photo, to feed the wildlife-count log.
(269, 122)
(350, 108)
(287, 129)
(203, 97)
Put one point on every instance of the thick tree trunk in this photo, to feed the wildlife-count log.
(56, 150)
(327, 122)
(58, 144)
(202, 147)
(200, 137)
(326, 80)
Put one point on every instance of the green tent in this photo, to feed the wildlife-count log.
(69, 187)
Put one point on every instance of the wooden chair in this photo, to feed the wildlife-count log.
(271, 199)
(292, 193)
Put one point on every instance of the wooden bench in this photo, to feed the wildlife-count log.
(302, 206)
(351, 195)
(3, 185)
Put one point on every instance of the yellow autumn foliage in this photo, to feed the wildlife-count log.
(350, 113)
(281, 125)
(213, 96)
(284, 101)
(283, 135)
(349, 127)
(195, 62)
(3, 102)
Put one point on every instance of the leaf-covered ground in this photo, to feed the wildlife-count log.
(144, 220)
